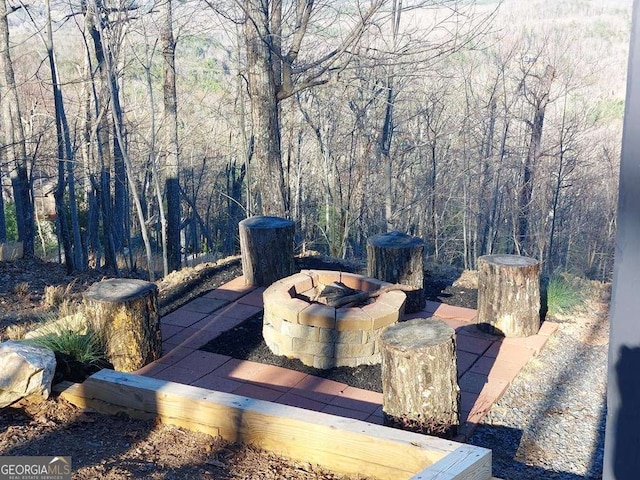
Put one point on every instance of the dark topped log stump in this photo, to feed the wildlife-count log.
(125, 312)
(419, 377)
(509, 295)
(395, 257)
(266, 245)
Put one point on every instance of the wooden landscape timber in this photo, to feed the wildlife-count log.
(343, 445)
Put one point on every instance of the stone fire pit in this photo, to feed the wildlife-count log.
(321, 336)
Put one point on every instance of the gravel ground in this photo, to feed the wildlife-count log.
(550, 422)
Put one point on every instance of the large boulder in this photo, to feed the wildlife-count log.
(25, 370)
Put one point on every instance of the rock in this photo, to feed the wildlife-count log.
(25, 370)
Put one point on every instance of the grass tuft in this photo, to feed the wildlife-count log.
(67, 331)
(84, 347)
(564, 294)
(21, 289)
(55, 295)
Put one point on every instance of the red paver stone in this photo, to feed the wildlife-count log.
(322, 385)
(472, 330)
(457, 325)
(299, 401)
(472, 382)
(472, 344)
(512, 354)
(494, 349)
(240, 369)
(218, 323)
(494, 389)
(182, 336)
(467, 400)
(431, 307)
(253, 298)
(258, 392)
(239, 311)
(182, 317)
(237, 284)
(211, 381)
(227, 295)
(483, 365)
(500, 370)
(169, 330)
(535, 343)
(362, 395)
(205, 305)
(458, 313)
(375, 419)
(464, 361)
(548, 328)
(279, 378)
(151, 369)
(198, 360)
(171, 354)
(480, 408)
(200, 339)
(345, 412)
(179, 375)
(357, 399)
(319, 389)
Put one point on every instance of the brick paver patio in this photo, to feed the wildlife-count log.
(486, 364)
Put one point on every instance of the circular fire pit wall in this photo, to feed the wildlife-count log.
(321, 336)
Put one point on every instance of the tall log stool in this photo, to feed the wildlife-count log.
(266, 244)
(419, 377)
(395, 257)
(125, 312)
(509, 295)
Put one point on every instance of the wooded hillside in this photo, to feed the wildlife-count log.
(136, 131)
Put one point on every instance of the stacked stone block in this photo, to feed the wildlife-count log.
(321, 336)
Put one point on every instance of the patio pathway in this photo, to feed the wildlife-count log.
(486, 364)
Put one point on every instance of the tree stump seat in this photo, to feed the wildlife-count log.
(419, 377)
(509, 295)
(125, 313)
(266, 245)
(395, 257)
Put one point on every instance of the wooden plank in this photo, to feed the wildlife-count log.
(465, 463)
(339, 444)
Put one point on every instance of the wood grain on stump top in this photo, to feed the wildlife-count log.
(117, 290)
(417, 333)
(266, 222)
(509, 260)
(395, 240)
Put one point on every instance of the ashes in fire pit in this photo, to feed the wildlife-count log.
(344, 333)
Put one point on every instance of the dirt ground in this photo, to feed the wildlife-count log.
(115, 447)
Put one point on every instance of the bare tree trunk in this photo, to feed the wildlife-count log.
(262, 86)
(540, 101)
(117, 121)
(72, 242)
(3, 223)
(172, 171)
(102, 132)
(14, 136)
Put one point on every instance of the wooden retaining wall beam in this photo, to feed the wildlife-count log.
(339, 444)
